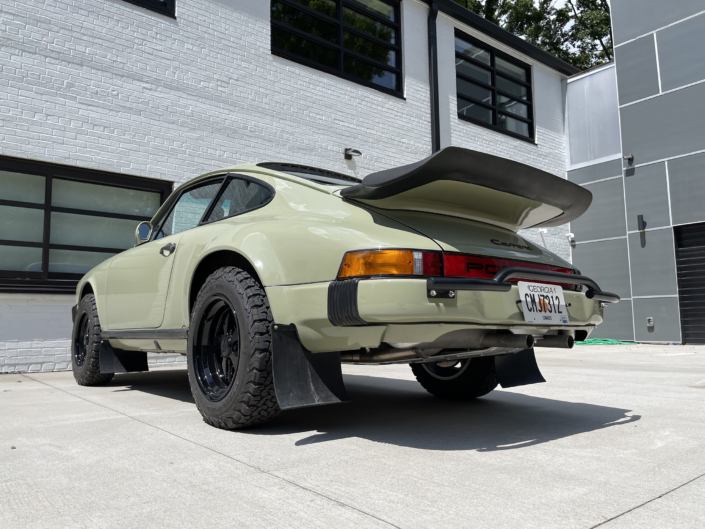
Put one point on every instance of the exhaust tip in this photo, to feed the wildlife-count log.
(570, 342)
(530, 341)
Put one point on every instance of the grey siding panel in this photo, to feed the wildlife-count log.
(596, 172)
(637, 73)
(664, 311)
(632, 18)
(687, 179)
(617, 323)
(669, 125)
(647, 195)
(606, 262)
(653, 263)
(681, 51)
(605, 217)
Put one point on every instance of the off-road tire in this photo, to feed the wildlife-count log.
(476, 380)
(88, 374)
(251, 400)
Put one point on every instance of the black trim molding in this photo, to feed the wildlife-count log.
(166, 334)
(342, 304)
(163, 7)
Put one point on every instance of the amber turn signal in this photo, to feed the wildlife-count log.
(389, 263)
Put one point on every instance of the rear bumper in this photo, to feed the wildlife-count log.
(353, 314)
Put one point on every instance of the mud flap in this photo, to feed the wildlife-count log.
(302, 378)
(518, 369)
(119, 361)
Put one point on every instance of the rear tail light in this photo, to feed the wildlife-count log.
(456, 265)
(390, 263)
(369, 263)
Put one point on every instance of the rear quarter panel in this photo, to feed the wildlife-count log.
(300, 237)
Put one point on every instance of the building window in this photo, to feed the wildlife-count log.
(165, 7)
(359, 40)
(494, 90)
(58, 222)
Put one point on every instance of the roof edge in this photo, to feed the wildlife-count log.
(464, 15)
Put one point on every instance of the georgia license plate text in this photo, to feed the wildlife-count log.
(543, 304)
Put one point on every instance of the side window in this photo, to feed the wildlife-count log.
(239, 196)
(189, 209)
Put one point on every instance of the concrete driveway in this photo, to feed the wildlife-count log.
(616, 438)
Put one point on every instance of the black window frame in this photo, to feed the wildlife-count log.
(224, 179)
(494, 107)
(398, 91)
(60, 282)
(166, 7)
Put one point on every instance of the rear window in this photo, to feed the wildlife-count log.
(320, 176)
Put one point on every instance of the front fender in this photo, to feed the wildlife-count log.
(96, 279)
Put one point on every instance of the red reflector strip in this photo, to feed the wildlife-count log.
(486, 267)
(432, 264)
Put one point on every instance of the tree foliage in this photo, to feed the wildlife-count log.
(577, 31)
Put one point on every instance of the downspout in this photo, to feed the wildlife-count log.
(433, 77)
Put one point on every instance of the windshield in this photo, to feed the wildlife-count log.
(320, 176)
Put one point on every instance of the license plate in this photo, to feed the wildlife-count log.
(543, 304)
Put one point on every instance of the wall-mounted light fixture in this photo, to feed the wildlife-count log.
(349, 153)
(640, 223)
(629, 158)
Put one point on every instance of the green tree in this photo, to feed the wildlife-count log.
(578, 32)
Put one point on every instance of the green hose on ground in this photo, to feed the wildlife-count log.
(602, 341)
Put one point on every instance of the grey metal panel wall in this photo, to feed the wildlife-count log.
(607, 262)
(665, 126)
(605, 217)
(653, 263)
(647, 194)
(596, 172)
(664, 311)
(687, 181)
(681, 50)
(637, 73)
(617, 323)
(633, 18)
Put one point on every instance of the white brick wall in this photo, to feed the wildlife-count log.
(107, 85)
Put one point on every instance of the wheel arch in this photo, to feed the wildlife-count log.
(212, 262)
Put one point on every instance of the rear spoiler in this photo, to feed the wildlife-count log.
(478, 186)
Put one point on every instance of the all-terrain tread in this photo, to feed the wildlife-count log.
(90, 374)
(478, 380)
(257, 401)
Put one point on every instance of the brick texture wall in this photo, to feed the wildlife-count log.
(108, 85)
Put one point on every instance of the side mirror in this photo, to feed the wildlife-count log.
(142, 233)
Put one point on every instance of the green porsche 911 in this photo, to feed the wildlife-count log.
(269, 276)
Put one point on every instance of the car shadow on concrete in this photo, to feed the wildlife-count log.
(400, 412)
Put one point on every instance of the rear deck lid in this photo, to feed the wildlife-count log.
(476, 186)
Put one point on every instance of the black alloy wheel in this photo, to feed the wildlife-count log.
(229, 355)
(85, 345)
(447, 370)
(465, 379)
(81, 341)
(216, 351)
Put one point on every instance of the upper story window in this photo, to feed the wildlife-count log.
(58, 222)
(494, 90)
(359, 40)
(165, 7)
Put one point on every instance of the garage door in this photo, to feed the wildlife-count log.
(690, 259)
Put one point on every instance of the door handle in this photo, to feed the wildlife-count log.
(167, 250)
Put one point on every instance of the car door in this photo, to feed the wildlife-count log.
(138, 279)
